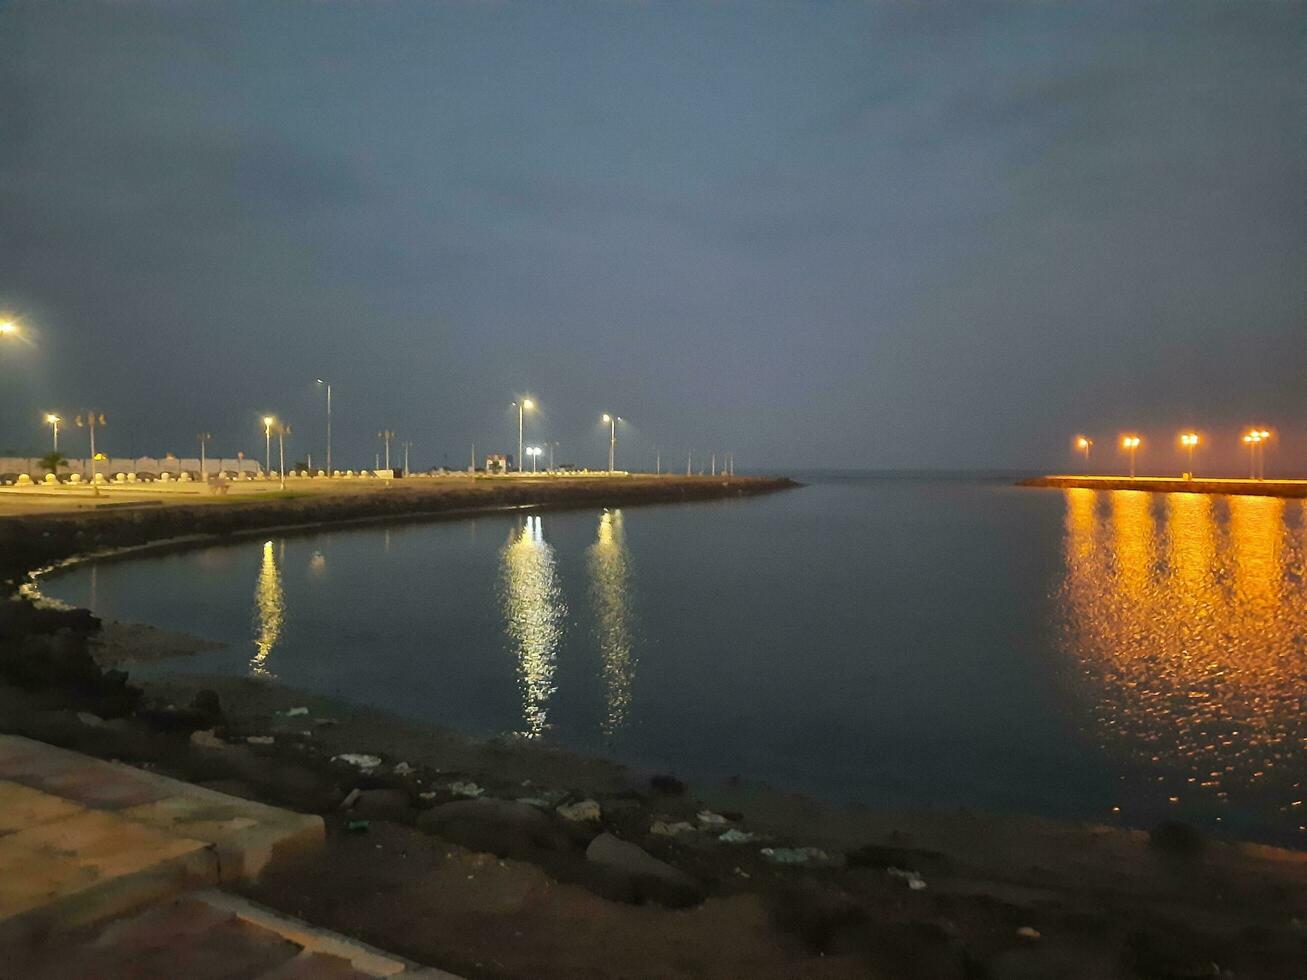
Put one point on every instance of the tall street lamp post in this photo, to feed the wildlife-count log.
(1084, 444)
(53, 421)
(327, 385)
(94, 420)
(523, 405)
(1130, 444)
(282, 430)
(385, 435)
(1189, 440)
(612, 421)
(534, 452)
(1255, 441)
(204, 438)
(268, 422)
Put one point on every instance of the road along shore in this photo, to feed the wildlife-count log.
(1158, 484)
(31, 541)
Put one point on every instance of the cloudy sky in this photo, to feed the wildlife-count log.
(883, 234)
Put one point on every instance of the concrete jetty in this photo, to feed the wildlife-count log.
(1161, 484)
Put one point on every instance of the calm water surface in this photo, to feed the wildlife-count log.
(889, 640)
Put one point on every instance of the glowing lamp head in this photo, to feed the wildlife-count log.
(528, 404)
(1129, 442)
(1082, 442)
(268, 420)
(607, 417)
(8, 327)
(1188, 438)
(1263, 434)
(51, 418)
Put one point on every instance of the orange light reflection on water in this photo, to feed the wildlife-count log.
(1188, 616)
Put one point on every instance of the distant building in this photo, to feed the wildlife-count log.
(498, 463)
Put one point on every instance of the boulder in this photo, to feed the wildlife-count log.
(638, 876)
(382, 804)
(502, 827)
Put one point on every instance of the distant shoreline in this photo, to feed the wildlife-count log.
(1155, 484)
(32, 542)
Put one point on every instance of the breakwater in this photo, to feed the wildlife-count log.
(31, 541)
(1155, 484)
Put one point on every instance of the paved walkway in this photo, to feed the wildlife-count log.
(111, 871)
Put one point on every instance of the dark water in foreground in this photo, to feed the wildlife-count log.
(890, 640)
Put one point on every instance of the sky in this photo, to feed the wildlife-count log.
(876, 234)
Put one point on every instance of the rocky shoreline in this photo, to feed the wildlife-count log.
(503, 858)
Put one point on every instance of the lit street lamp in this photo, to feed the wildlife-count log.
(612, 421)
(53, 421)
(523, 405)
(1084, 444)
(204, 438)
(534, 452)
(1130, 444)
(327, 385)
(1255, 439)
(268, 422)
(1189, 440)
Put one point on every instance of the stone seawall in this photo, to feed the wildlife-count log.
(1153, 484)
(33, 541)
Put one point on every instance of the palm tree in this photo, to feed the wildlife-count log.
(52, 461)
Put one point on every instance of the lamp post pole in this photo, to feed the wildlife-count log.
(281, 454)
(54, 421)
(267, 444)
(523, 405)
(327, 385)
(612, 421)
(204, 437)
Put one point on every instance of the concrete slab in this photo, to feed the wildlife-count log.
(83, 841)
(246, 835)
(87, 867)
(209, 935)
(21, 807)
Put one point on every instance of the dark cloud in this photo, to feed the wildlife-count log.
(875, 234)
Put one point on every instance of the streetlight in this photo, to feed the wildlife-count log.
(1084, 444)
(327, 385)
(8, 328)
(53, 421)
(1189, 440)
(612, 421)
(534, 452)
(268, 422)
(1130, 444)
(1255, 440)
(523, 405)
(204, 438)
(385, 435)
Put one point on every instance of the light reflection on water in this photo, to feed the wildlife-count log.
(876, 644)
(533, 612)
(610, 591)
(269, 612)
(1190, 631)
